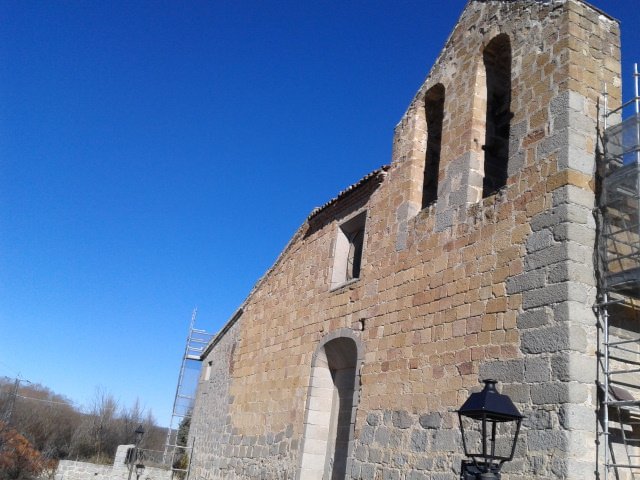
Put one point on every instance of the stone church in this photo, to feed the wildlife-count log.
(470, 256)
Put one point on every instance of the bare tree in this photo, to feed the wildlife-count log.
(46, 420)
(57, 429)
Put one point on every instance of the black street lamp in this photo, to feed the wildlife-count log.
(139, 432)
(490, 424)
(139, 470)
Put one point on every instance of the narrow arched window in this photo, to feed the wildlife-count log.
(497, 64)
(349, 246)
(354, 257)
(434, 114)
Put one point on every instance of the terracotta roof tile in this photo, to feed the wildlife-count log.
(380, 171)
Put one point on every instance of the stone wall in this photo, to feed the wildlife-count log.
(73, 470)
(464, 289)
(221, 447)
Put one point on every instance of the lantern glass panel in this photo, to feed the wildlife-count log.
(494, 443)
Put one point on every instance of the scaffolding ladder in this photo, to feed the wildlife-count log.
(177, 454)
(618, 306)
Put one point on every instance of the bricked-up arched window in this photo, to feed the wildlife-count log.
(434, 114)
(497, 64)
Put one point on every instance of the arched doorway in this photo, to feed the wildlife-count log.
(331, 402)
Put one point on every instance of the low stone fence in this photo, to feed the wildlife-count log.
(72, 470)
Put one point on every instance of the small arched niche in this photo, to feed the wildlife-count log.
(330, 413)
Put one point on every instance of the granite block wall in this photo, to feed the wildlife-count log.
(74, 470)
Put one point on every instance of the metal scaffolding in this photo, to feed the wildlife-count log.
(177, 454)
(618, 307)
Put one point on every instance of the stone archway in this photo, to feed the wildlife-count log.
(331, 407)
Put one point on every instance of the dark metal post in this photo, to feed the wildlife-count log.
(472, 471)
(139, 470)
(489, 476)
(134, 460)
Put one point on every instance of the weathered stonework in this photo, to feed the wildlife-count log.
(73, 470)
(230, 451)
(463, 289)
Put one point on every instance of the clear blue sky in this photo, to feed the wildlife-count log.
(156, 156)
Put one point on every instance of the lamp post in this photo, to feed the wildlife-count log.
(490, 424)
(139, 470)
(139, 432)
